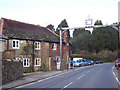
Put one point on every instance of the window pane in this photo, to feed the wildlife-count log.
(52, 46)
(35, 45)
(55, 46)
(24, 62)
(38, 45)
(13, 43)
(36, 61)
(27, 62)
(16, 43)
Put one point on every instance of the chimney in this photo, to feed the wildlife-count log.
(66, 36)
(1, 25)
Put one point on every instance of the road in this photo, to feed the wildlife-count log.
(95, 76)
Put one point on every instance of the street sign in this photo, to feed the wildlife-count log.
(89, 24)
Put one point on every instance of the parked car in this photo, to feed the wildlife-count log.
(76, 63)
(99, 62)
(89, 63)
(117, 62)
(82, 62)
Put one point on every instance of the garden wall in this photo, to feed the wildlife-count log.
(11, 70)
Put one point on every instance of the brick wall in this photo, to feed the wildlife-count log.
(54, 53)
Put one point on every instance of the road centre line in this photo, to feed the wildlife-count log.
(67, 85)
(81, 76)
(45, 78)
(42, 79)
(72, 82)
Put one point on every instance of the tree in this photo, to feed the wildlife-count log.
(51, 27)
(98, 22)
(104, 39)
(80, 40)
(63, 24)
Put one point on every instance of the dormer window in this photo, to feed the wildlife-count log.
(54, 46)
(15, 44)
(37, 45)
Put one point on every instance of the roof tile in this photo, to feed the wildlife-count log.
(20, 30)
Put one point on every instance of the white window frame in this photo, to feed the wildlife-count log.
(16, 45)
(17, 58)
(27, 60)
(37, 45)
(38, 61)
(54, 46)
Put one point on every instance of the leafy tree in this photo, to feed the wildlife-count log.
(51, 27)
(104, 39)
(80, 40)
(98, 22)
(63, 24)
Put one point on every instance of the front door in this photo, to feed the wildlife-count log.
(58, 62)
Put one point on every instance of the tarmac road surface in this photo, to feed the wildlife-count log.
(95, 76)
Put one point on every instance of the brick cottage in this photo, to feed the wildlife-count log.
(37, 46)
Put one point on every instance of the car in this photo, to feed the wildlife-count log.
(82, 62)
(89, 63)
(76, 63)
(99, 62)
(117, 62)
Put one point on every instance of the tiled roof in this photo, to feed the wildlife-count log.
(20, 30)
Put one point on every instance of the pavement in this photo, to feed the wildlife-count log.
(32, 77)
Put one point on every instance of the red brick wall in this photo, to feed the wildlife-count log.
(54, 53)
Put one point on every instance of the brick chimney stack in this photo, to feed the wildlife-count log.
(1, 25)
(66, 36)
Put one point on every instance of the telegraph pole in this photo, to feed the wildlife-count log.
(119, 29)
(62, 30)
(61, 61)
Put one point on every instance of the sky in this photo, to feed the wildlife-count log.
(45, 12)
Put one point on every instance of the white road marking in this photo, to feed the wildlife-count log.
(115, 76)
(72, 82)
(81, 76)
(48, 78)
(67, 85)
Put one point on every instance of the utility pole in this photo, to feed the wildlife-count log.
(62, 30)
(119, 29)
(61, 61)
